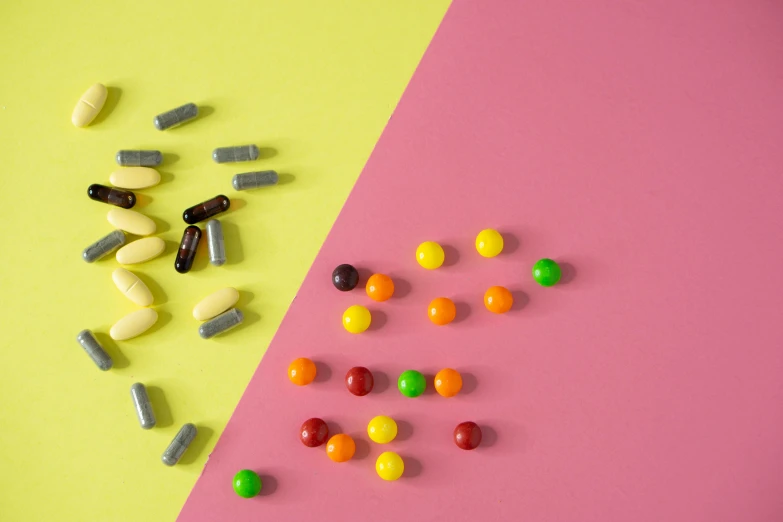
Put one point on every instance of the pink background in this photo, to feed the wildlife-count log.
(640, 144)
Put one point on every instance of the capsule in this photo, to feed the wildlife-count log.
(94, 350)
(220, 324)
(206, 209)
(143, 406)
(251, 180)
(187, 249)
(112, 196)
(176, 116)
(139, 158)
(105, 245)
(179, 444)
(217, 248)
(234, 154)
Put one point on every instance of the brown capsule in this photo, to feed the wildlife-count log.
(187, 249)
(206, 209)
(112, 196)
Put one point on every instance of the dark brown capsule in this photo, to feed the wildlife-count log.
(187, 249)
(112, 196)
(206, 209)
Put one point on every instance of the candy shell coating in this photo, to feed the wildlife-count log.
(389, 466)
(382, 429)
(357, 319)
(430, 255)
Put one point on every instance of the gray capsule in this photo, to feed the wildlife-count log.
(143, 406)
(176, 116)
(234, 154)
(139, 158)
(94, 350)
(105, 245)
(179, 444)
(251, 180)
(217, 249)
(220, 324)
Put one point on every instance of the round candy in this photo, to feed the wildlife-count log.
(359, 381)
(345, 277)
(411, 383)
(301, 371)
(546, 272)
(380, 287)
(498, 299)
(442, 310)
(340, 447)
(448, 382)
(313, 432)
(389, 466)
(467, 435)
(430, 255)
(382, 429)
(247, 483)
(356, 319)
(489, 243)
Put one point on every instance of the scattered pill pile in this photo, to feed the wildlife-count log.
(216, 311)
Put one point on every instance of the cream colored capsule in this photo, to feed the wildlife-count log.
(216, 303)
(132, 287)
(131, 221)
(133, 324)
(89, 105)
(140, 250)
(134, 178)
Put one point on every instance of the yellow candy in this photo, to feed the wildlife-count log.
(382, 429)
(356, 319)
(430, 255)
(489, 243)
(389, 466)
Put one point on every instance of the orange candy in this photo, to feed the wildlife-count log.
(448, 382)
(340, 447)
(498, 300)
(442, 310)
(380, 287)
(301, 371)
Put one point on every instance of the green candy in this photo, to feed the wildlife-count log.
(247, 483)
(546, 272)
(411, 383)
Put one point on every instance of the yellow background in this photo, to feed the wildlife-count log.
(314, 82)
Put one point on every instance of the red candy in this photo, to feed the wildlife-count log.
(359, 381)
(314, 432)
(467, 435)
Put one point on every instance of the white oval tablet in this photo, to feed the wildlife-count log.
(89, 105)
(131, 221)
(141, 250)
(132, 287)
(135, 177)
(133, 324)
(216, 303)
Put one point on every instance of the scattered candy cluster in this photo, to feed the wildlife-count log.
(359, 380)
(137, 172)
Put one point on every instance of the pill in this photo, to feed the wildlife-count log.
(313, 432)
(359, 381)
(112, 196)
(442, 311)
(389, 466)
(251, 180)
(206, 210)
(131, 221)
(546, 272)
(216, 303)
(187, 249)
(217, 248)
(94, 350)
(340, 448)
(467, 435)
(498, 299)
(179, 444)
(141, 250)
(382, 429)
(132, 287)
(302, 371)
(411, 383)
(430, 255)
(176, 116)
(135, 177)
(448, 382)
(489, 242)
(89, 105)
(247, 483)
(105, 245)
(133, 324)
(139, 158)
(234, 154)
(356, 319)
(221, 324)
(380, 287)
(142, 405)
